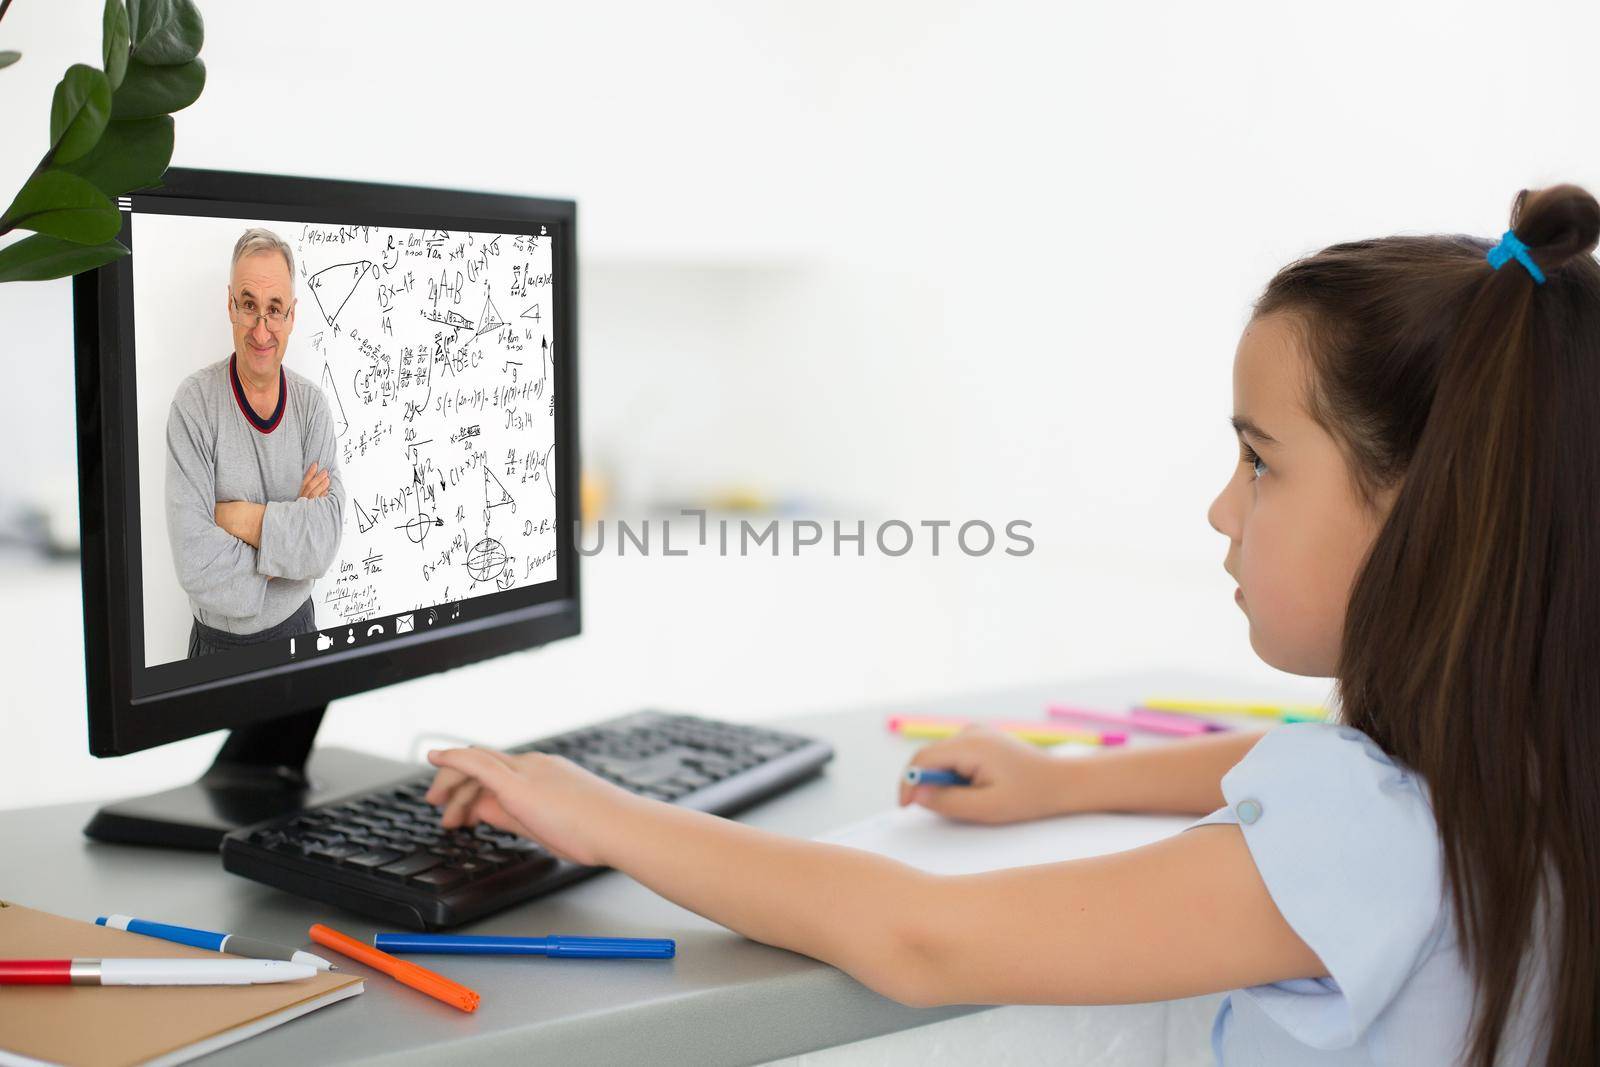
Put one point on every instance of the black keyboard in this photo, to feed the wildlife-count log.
(382, 853)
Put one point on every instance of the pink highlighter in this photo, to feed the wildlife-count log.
(1156, 722)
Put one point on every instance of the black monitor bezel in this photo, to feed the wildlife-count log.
(120, 720)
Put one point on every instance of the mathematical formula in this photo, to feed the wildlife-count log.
(434, 353)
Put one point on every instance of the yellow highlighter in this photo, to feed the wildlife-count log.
(931, 727)
(1287, 712)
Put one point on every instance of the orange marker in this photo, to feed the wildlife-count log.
(420, 978)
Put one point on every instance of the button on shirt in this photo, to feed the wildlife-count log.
(1345, 840)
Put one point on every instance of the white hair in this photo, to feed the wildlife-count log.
(257, 239)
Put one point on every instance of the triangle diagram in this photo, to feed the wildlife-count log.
(364, 522)
(333, 286)
(490, 319)
(494, 494)
(336, 405)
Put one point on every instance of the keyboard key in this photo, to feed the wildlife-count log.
(411, 865)
(419, 810)
(521, 844)
(343, 850)
(439, 878)
(372, 858)
(503, 840)
(715, 769)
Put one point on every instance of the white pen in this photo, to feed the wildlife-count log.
(151, 972)
(232, 944)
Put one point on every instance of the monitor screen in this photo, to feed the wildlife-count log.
(343, 428)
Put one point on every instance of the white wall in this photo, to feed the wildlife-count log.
(932, 259)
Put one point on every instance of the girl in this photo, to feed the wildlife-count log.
(1416, 514)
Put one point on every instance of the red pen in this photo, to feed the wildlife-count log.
(183, 970)
(1139, 719)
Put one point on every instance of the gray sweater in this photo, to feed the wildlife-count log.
(218, 452)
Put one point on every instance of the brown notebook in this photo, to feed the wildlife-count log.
(112, 1026)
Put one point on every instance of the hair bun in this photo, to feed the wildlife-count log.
(1557, 224)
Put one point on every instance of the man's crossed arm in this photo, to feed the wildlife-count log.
(242, 519)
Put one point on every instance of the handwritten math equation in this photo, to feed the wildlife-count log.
(433, 350)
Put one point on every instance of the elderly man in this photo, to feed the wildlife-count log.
(255, 504)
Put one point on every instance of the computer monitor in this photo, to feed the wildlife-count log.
(327, 442)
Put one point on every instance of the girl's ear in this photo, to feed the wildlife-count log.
(1382, 501)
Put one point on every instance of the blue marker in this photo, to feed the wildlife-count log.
(926, 776)
(233, 943)
(590, 948)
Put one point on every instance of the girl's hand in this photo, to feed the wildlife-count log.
(1012, 780)
(546, 798)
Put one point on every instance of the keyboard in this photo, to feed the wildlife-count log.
(383, 854)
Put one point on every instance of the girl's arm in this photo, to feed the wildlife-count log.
(1182, 777)
(1183, 916)
(1012, 781)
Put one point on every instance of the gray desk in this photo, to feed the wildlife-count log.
(723, 1000)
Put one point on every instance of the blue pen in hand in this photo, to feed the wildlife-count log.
(928, 776)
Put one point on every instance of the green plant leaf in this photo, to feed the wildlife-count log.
(78, 112)
(116, 42)
(132, 154)
(148, 91)
(147, 16)
(167, 33)
(9, 57)
(65, 205)
(40, 257)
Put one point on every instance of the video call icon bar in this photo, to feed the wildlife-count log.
(394, 625)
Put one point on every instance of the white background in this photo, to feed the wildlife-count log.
(920, 260)
(181, 271)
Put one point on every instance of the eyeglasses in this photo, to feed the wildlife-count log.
(247, 316)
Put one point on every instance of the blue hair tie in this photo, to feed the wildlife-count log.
(1511, 247)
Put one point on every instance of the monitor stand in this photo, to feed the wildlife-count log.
(262, 771)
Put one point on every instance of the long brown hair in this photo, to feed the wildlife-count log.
(1471, 644)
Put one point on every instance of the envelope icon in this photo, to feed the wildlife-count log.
(404, 624)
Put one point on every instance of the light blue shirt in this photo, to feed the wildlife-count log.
(1345, 840)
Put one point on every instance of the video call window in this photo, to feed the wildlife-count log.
(346, 434)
